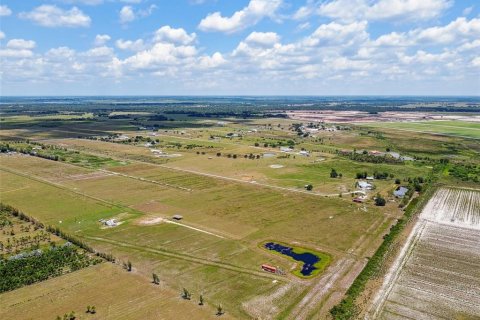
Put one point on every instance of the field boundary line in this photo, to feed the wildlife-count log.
(187, 258)
(317, 194)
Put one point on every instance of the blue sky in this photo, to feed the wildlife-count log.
(226, 47)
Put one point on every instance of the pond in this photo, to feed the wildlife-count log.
(309, 259)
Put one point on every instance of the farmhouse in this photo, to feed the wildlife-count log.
(286, 149)
(400, 192)
(364, 185)
(304, 153)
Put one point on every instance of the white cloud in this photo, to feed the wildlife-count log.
(136, 45)
(18, 49)
(160, 55)
(459, 30)
(101, 39)
(214, 61)
(476, 62)
(126, 14)
(52, 16)
(262, 38)
(2, 35)
(383, 9)
(20, 44)
(248, 16)
(86, 2)
(338, 34)
(177, 36)
(5, 11)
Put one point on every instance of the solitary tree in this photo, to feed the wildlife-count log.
(201, 300)
(156, 280)
(220, 310)
(88, 309)
(333, 173)
(309, 187)
(93, 310)
(380, 201)
(186, 294)
(129, 266)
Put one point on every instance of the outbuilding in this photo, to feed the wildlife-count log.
(177, 217)
(400, 192)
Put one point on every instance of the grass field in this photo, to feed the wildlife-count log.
(230, 206)
(115, 294)
(455, 128)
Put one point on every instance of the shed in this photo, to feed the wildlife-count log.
(364, 185)
(177, 217)
(400, 192)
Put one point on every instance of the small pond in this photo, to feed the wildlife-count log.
(308, 259)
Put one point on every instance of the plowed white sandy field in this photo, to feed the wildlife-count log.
(437, 274)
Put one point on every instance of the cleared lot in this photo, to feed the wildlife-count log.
(437, 274)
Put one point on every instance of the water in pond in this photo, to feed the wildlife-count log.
(308, 259)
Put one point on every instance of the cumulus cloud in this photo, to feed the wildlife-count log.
(248, 16)
(352, 10)
(126, 14)
(459, 30)
(263, 38)
(101, 39)
(130, 45)
(338, 34)
(53, 16)
(20, 44)
(18, 48)
(341, 52)
(5, 11)
(2, 35)
(177, 36)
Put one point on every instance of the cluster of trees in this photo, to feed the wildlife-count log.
(15, 273)
(465, 172)
(335, 174)
(376, 175)
(366, 157)
(250, 156)
(6, 147)
(5, 208)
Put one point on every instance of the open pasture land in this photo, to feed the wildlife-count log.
(115, 294)
(294, 171)
(436, 275)
(226, 268)
(453, 128)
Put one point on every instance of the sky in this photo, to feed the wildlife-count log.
(239, 47)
